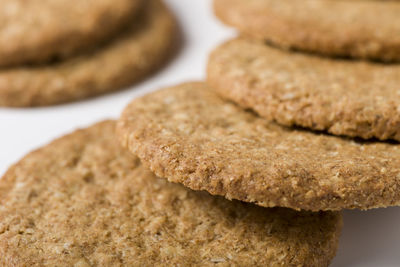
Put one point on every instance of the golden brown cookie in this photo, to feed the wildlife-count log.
(359, 29)
(84, 201)
(144, 46)
(352, 98)
(40, 30)
(191, 136)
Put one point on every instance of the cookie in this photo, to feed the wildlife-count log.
(40, 30)
(352, 98)
(84, 201)
(144, 46)
(191, 136)
(358, 29)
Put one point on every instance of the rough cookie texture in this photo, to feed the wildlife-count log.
(351, 98)
(84, 201)
(146, 43)
(39, 30)
(359, 29)
(189, 135)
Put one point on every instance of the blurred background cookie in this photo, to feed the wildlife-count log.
(147, 41)
(358, 29)
(38, 31)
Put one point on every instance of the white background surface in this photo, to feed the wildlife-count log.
(369, 239)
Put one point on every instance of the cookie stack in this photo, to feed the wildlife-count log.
(298, 79)
(249, 169)
(58, 51)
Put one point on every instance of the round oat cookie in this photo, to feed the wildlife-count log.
(191, 136)
(352, 98)
(84, 201)
(142, 47)
(40, 30)
(359, 29)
